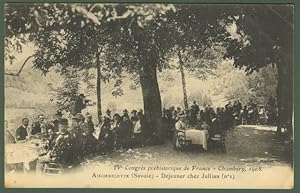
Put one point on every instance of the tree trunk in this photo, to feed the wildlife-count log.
(98, 87)
(285, 95)
(285, 82)
(152, 100)
(185, 99)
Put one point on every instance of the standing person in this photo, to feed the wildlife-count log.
(125, 113)
(126, 133)
(117, 128)
(244, 115)
(173, 113)
(79, 104)
(76, 134)
(21, 132)
(89, 123)
(108, 115)
(105, 138)
(228, 116)
(137, 133)
(142, 135)
(194, 112)
(134, 117)
(89, 142)
(237, 108)
(58, 118)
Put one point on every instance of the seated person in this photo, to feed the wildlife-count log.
(179, 127)
(40, 126)
(21, 132)
(205, 126)
(215, 128)
(180, 124)
(60, 152)
(9, 138)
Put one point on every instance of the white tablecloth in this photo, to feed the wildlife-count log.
(197, 136)
(21, 153)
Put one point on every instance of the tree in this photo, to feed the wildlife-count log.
(197, 33)
(54, 30)
(265, 36)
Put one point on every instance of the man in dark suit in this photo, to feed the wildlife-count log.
(56, 122)
(21, 132)
(194, 112)
(79, 104)
(37, 126)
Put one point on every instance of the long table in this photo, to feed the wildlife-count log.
(21, 153)
(199, 137)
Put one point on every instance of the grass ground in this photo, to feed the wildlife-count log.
(245, 145)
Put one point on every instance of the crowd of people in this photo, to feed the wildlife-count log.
(69, 141)
(221, 118)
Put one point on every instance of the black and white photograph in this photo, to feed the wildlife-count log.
(148, 95)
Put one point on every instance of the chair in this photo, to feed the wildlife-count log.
(52, 169)
(244, 121)
(218, 140)
(181, 141)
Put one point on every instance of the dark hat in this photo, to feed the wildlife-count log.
(82, 95)
(58, 113)
(108, 111)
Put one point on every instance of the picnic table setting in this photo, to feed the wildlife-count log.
(197, 137)
(24, 152)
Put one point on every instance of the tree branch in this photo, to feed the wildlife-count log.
(19, 72)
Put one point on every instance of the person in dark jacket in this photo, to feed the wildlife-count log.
(79, 104)
(89, 141)
(134, 117)
(21, 132)
(127, 132)
(125, 114)
(59, 151)
(58, 118)
(89, 124)
(40, 126)
(194, 112)
(105, 139)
